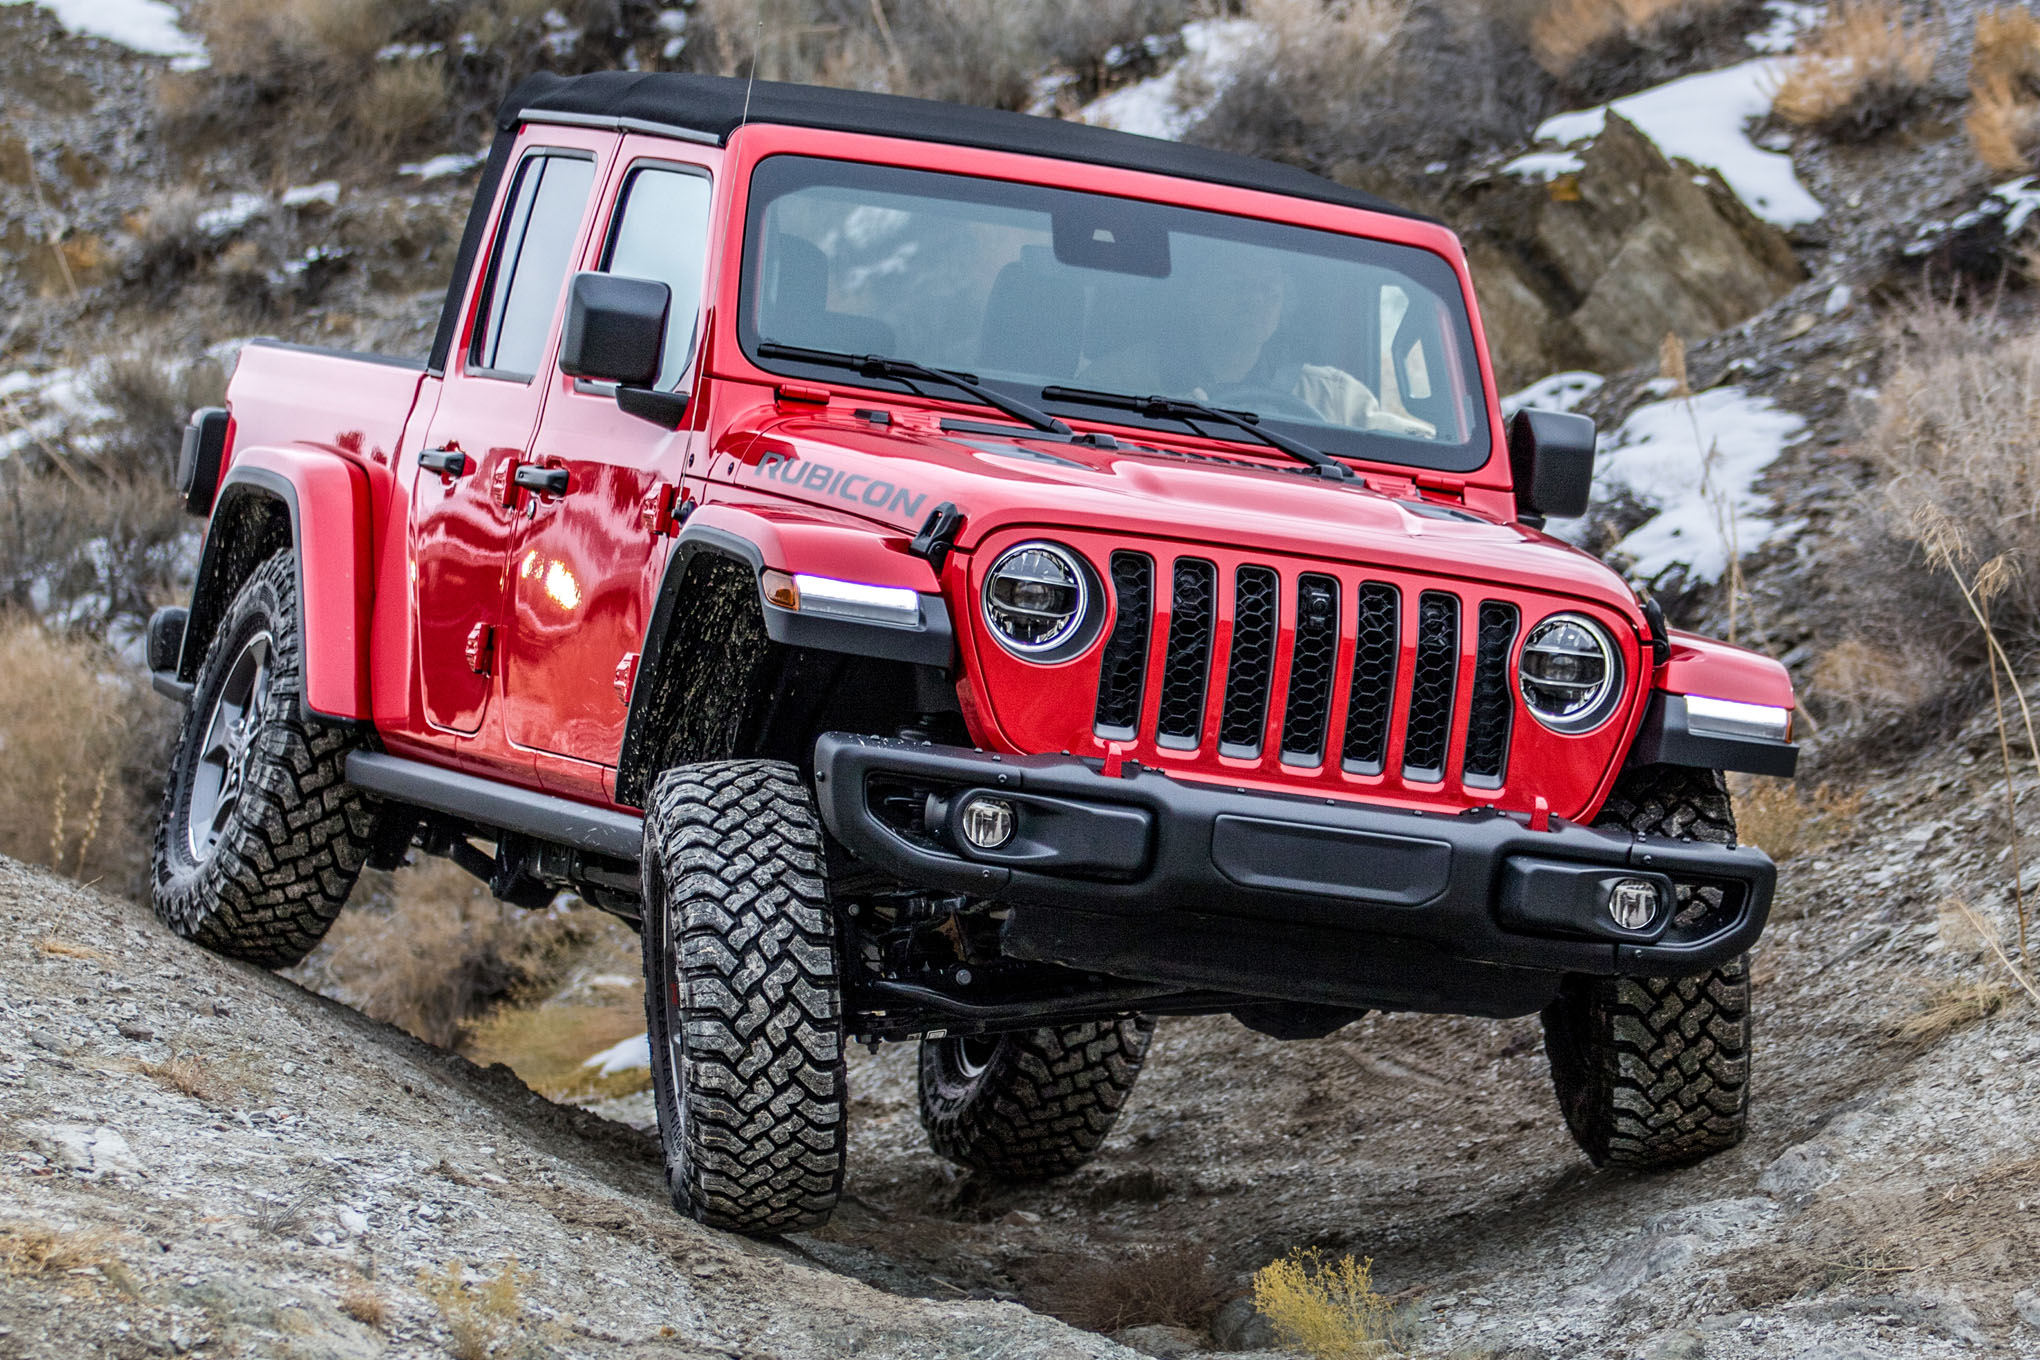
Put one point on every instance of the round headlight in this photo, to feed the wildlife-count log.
(1038, 600)
(1570, 673)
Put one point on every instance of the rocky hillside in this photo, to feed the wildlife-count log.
(196, 1157)
(199, 1157)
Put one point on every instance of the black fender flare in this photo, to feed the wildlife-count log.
(932, 643)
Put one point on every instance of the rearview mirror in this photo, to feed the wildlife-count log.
(616, 329)
(1551, 457)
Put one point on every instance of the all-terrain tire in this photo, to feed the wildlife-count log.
(1654, 1073)
(1033, 1103)
(743, 1001)
(280, 835)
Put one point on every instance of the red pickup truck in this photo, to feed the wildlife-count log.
(955, 576)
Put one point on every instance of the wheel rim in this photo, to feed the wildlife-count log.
(220, 773)
(972, 1054)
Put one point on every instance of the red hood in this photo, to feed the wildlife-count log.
(895, 475)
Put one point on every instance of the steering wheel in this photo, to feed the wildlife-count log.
(1267, 401)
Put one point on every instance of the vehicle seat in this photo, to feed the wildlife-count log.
(793, 304)
(1034, 320)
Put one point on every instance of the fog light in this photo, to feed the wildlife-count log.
(1632, 902)
(988, 822)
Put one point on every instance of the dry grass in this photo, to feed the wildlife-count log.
(65, 949)
(2004, 89)
(1864, 69)
(1329, 1309)
(1148, 1286)
(1773, 815)
(1857, 677)
(429, 950)
(66, 724)
(546, 1046)
(360, 1301)
(479, 1317)
(1948, 1007)
(190, 1076)
(35, 1249)
(1568, 33)
(1953, 446)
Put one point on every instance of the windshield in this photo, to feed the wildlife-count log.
(1358, 347)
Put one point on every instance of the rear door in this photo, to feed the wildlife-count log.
(461, 518)
(585, 564)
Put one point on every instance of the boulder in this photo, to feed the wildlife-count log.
(1590, 268)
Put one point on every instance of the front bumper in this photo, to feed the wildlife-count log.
(1149, 877)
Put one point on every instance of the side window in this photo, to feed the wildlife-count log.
(661, 232)
(533, 248)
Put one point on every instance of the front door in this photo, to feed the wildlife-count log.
(465, 500)
(585, 563)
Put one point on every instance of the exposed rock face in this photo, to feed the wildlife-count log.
(1592, 268)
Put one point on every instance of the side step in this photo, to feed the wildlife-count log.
(502, 806)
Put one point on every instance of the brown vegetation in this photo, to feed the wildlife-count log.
(1864, 69)
(1567, 34)
(1329, 1309)
(71, 796)
(187, 1075)
(1948, 1007)
(360, 1301)
(479, 1317)
(37, 1249)
(2004, 89)
(429, 950)
(1778, 818)
(1146, 1286)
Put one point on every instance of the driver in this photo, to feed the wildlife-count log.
(1224, 349)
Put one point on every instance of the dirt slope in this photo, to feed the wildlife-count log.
(311, 1152)
(1887, 1203)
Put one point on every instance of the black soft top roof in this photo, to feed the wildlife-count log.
(712, 107)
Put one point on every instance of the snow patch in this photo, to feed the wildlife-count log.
(1702, 118)
(1170, 104)
(234, 214)
(1696, 462)
(1788, 22)
(439, 167)
(1545, 166)
(147, 26)
(326, 191)
(1559, 392)
(632, 1055)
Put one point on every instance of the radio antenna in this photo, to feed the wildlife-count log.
(757, 52)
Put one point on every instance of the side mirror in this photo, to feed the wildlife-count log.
(1551, 457)
(616, 329)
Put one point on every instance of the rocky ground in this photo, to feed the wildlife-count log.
(198, 1157)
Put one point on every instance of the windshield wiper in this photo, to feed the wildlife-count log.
(1188, 412)
(879, 366)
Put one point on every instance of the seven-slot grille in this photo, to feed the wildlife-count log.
(1380, 619)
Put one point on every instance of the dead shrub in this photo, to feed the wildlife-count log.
(1602, 48)
(1862, 72)
(1952, 442)
(1774, 816)
(360, 1301)
(2004, 90)
(987, 52)
(428, 950)
(1857, 677)
(37, 1249)
(1173, 1286)
(1947, 1008)
(547, 1045)
(482, 1316)
(68, 719)
(1359, 90)
(188, 1075)
(402, 105)
(1329, 1309)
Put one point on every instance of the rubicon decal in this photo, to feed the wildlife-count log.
(854, 487)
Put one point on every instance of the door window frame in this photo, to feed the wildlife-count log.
(607, 250)
(485, 295)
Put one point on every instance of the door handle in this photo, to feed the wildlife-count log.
(550, 481)
(445, 462)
